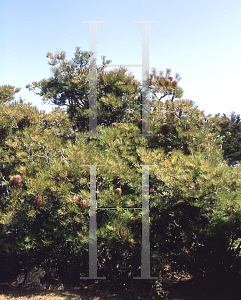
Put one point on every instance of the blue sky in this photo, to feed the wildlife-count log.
(200, 40)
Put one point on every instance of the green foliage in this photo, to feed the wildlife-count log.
(230, 130)
(69, 85)
(165, 84)
(7, 93)
(195, 210)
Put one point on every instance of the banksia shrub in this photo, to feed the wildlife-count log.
(202, 146)
(39, 201)
(118, 191)
(164, 128)
(16, 180)
(84, 204)
(170, 78)
(168, 82)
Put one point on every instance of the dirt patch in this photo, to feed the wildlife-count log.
(183, 289)
(95, 291)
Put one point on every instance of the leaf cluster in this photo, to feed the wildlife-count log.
(194, 196)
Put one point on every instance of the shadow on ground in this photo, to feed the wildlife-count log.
(192, 289)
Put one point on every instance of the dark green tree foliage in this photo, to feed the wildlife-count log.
(117, 91)
(44, 187)
(117, 96)
(7, 93)
(231, 130)
(32, 149)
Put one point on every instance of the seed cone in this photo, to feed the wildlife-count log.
(164, 129)
(152, 191)
(118, 191)
(174, 83)
(131, 244)
(75, 198)
(230, 209)
(17, 181)
(84, 204)
(39, 201)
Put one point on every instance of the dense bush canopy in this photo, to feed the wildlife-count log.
(44, 182)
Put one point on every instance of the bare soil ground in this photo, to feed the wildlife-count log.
(91, 291)
(80, 293)
(185, 289)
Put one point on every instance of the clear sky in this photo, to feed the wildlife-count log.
(200, 40)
